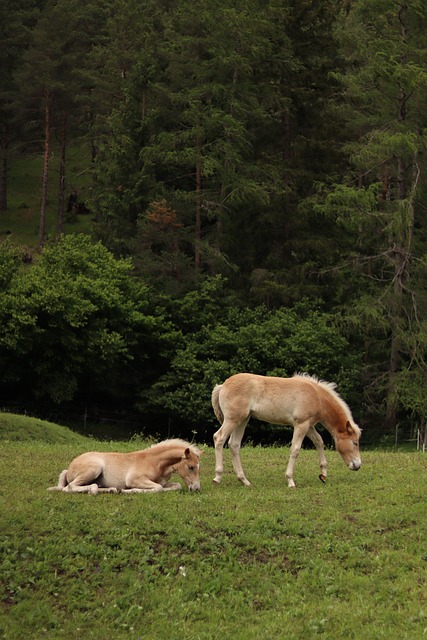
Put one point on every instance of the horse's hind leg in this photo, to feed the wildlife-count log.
(93, 488)
(220, 438)
(219, 441)
(316, 439)
(235, 433)
(72, 487)
(62, 481)
(234, 445)
(84, 477)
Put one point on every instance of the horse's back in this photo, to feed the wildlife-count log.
(269, 398)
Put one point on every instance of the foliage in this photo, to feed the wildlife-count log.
(211, 124)
(280, 343)
(336, 561)
(278, 144)
(77, 321)
(9, 263)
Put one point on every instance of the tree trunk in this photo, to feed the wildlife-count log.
(45, 170)
(3, 170)
(61, 203)
(198, 231)
(399, 258)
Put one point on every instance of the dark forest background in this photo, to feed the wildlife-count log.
(252, 179)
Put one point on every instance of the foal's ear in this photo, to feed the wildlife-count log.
(349, 428)
(187, 453)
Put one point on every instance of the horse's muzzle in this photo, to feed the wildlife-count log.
(355, 465)
(194, 487)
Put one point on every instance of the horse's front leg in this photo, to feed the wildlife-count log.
(142, 484)
(172, 486)
(300, 432)
(317, 440)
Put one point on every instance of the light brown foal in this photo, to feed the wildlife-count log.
(301, 401)
(143, 471)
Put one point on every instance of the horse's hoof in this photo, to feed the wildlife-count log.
(216, 481)
(322, 478)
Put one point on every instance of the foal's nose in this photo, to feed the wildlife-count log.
(195, 486)
(355, 465)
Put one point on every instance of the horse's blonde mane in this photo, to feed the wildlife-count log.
(177, 442)
(330, 387)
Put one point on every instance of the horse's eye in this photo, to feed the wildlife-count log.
(356, 444)
(191, 467)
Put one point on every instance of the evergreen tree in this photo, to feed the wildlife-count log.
(378, 204)
(16, 20)
(217, 114)
(50, 82)
(124, 66)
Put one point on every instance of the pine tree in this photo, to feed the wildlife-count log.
(16, 20)
(51, 82)
(378, 203)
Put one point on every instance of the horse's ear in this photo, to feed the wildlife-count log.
(349, 428)
(187, 453)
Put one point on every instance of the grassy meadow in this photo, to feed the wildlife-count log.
(343, 560)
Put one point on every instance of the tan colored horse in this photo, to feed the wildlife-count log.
(143, 471)
(301, 401)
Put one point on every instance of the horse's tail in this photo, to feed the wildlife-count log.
(62, 481)
(215, 403)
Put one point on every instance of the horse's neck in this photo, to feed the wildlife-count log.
(334, 417)
(167, 457)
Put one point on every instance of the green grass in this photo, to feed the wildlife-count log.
(20, 222)
(15, 427)
(343, 560)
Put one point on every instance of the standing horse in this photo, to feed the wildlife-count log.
(143, 471)
(301, 401)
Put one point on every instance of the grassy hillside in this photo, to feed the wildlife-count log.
(21, 221)
(15, 427)
(345, 560)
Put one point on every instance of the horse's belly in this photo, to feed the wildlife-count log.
(112, 478)
(273, 414)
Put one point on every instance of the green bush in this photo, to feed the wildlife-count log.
(277, 343)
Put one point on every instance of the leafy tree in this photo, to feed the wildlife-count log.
(280, 343)
(76, 324)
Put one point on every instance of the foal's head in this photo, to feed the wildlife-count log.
(347, 443)
(189, 468)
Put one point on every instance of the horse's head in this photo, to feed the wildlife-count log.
(189, 468)
(347, 443)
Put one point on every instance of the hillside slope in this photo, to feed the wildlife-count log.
(15, 427)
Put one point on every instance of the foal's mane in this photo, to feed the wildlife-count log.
(330, 388)
(176, 442)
